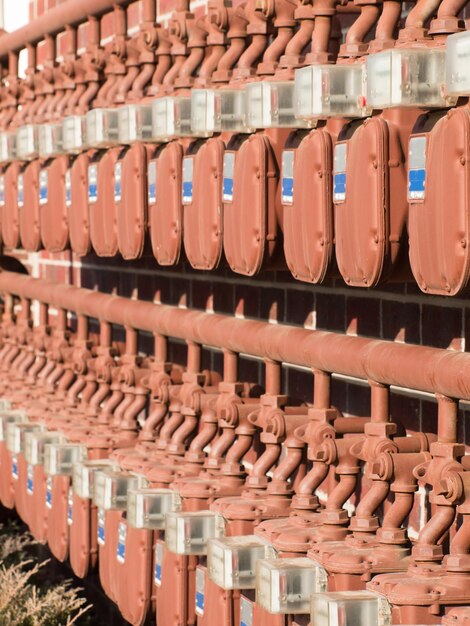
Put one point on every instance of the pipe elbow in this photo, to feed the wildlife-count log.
(74, 98)
(154, 420)
(142, 80)
(364, 23)
(191, 64)
(123, 86)
(163, 66)
(85, 99)
(288, 465)
(129, 418)
(420, 14)
(232, 55)
(253, 53)
(437, 526)
(278, 46)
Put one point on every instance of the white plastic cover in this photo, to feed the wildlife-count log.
(7, 147)
(74, 134)
(171, 117)
(349, 608)
(83, 475)
(102, 128)
(135, 123)
(35, 443)
(323, 91)
(218, 110)
(270, 104)
(50, 140)
(8, 416)
(146, 508)
(285, 586)
(188, 533)
(458, 64)
(406, 77)
(231, 561)
(111, 487)
(15, 432)
(60, 457)
(27, 145)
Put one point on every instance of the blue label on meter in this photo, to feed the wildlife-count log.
(43, 187)
(228, 189)
(340, 186)
(101, 527)
(339, 176)
(152, 193)
(417, 168)
(199, 603)
(117, 182)
(416, 184)
(188, 171)
(287, 181)
(121, 547)
(70, 508)
(287, 190)
(228, 175)
(49, 492)
(68, 188)
(30, 480)
(187, 191)
(2, 191)
(152, 182)
(158, 563)
(200, 587)
(92, 184)
(20, 191)
(14, 468)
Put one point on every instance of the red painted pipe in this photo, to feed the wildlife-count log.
(421, 368)
(71, 13)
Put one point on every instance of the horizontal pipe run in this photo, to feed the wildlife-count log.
(420, 368)
(70, 13)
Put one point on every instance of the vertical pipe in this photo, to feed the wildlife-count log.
(447, 419)
(230, 367)
(105, 334)
(321, 33)
(194, 357)
(380, 402)
(120, 21)
(161, 348)
(321, 390)
(43, 314)
(131, 341)
(32, 57)
(71, 39)
(13, 63)
(50, 48)
(62, 320)
(273, 377)
(25, 309)
(149, 11)
(94, 31)
(82, 327)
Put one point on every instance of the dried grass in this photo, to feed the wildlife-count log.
(24, 603)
